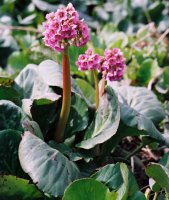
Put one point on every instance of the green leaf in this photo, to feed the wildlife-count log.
(18, 60)
(9, 143)
(113, 39)
(166, 76)
(113, 176)
(137, 196)
(140, 109)
(162, 85)
(32, 127)
(147, 71)
(88, 189)
(78, 117)
(45, 6)
(30, 84)
(164, 161)
(47, 109)
(105, 123)
(139, 100)
(155, 10)
(107, 31)
(118, 40)
(66, 150)
(6, 81)
(160, 174)
(9, 93)
(88, 91)
(11, 116)
(49, 169)
(15, 188)
(51, 73)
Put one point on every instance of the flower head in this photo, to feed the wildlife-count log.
(89, 60)
(64, 28)
(113, 65)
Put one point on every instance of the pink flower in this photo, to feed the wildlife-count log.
(64, 28)
(113, 65)
(89, 60)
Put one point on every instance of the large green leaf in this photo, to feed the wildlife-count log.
(164, 161)
(148, 70)
(88, 189)
(78, 117)
(140, 109)
(32, 127)
(15, 188)
(160, 174)
(87, 89)
(49, 169)
(105, 123)
(9, 93)
(119, 178)
(51, 72)
(34, 81)
(162, 85)
(9, 143)
(30, 83)
(11, 116)
(18, 60)
(140, 100)
(69, 152)
(137, 196)
(46, 108)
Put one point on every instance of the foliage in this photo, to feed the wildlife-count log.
(95, 160)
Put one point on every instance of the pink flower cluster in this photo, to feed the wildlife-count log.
(111, 65)
(64, 28)
(89, 60)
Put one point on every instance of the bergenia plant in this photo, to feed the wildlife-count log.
(54, 134)
(63, 28)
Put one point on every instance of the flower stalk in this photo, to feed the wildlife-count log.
(96, 82)
(66, 98)
(103, 84)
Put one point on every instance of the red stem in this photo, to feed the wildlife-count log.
(66, 98)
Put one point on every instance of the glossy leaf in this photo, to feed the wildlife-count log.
(160, 174)
(47, 109)
(67, 151)
(137, 196)
(9, 93)
(11, 116)
(105, 123)
(9, 143)
(49, 169)
(88, 189)
(164, 161)
(119, 178)
(87, 89)
(78, 117)
(15, 188)
(30, 84)
(140, 109)
(148, 70)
